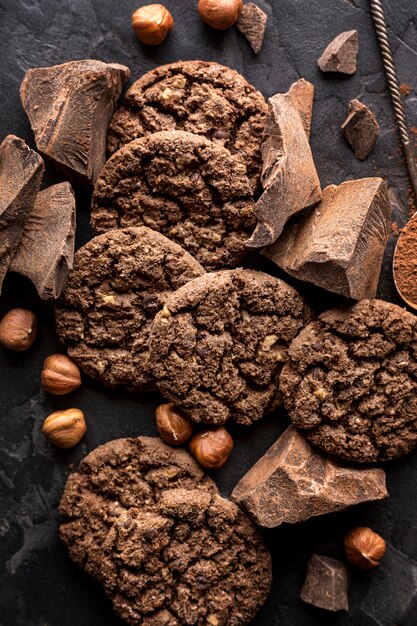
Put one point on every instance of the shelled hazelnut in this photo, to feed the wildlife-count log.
(173, 426)
(18, 329)
(65, 428)
(220, 14)
(152, 23)
(60, 375)
(212, 448)
(364, 547)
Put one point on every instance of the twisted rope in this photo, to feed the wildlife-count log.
(394, 87)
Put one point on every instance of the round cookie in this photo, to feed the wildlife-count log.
(351, 381)
(200, 97)
(195, 558)
(119, 281)
(113, 478)
(183, 186)
(218, 348)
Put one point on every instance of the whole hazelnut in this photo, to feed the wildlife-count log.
(364, 548)
(220, 14)
(18, 329)
(152, 23)
(173, 426)
(65, 428)
(60, 375)
(212, 448)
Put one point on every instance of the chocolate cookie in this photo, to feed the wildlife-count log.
(199, 97)
(218, 348)
(118, 283)
(113, 478)
(195, 558)
(184, 186)
(351, 381)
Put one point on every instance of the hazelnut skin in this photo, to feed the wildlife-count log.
(152, 23)
(220, 14)
(18, 330)
(60, 375)
(212, 448)
(65, 428)
(173, 426)
(364, 548)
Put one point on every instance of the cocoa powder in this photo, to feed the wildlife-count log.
(405, 263)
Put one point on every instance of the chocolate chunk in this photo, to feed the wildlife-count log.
(339, 246)
(326, 584)
(21, 171)
(289, 176)
(252, 24)
(69, 108)
(46, 250)
(293, 482)
(341, 54)
(301, 94)
(360, 129)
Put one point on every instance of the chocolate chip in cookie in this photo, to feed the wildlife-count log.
(351, 381)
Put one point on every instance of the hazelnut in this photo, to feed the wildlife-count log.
(60, 375)
(173, 426)
(212, 448)
(65, 428)
(364, 548)
(18, 330)
(152, 23)
(220, 14)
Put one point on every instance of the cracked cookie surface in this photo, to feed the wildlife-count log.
(113, 478)
(351, 381)
(199, 97)
(119, 281)
(183, 186)
(219, 347)
(195, 558)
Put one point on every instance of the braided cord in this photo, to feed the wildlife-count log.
(394, 87)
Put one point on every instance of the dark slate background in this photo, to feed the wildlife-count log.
(40, 585)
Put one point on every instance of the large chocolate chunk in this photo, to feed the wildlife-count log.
(69, 107)
(289, 176)
(46, 250)
(360, 129)
(21, 171)
(339, 246)
(252, 24)
(326, 584)
(341, 54)
(293, 482)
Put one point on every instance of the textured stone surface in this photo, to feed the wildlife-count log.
(36, 570)
(289, 178)
(69, 108)
(360, 129)
(252, 24)
(46, 250)
(293, 482)
(341, 54)
(340, 244)
(326, 584)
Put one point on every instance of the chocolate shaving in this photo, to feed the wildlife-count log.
(46, 249)
(21, 171)
(360, 129)
(69, 108)
(341, 54)
(252, 24)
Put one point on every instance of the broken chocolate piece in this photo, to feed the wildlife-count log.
(360, 129)
(21, 171)
(341, 54)
(326, 584)
(69, 108)
(339, 246)
(252, 24)
(289, 176)
(301, 94)
(293, 482)
(46, 250)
